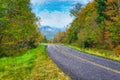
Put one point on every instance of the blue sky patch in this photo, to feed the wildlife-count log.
(54, 13)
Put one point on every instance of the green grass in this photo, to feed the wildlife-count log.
(97, 52)
(33, 65)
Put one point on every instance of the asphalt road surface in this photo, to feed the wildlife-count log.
(81, 66)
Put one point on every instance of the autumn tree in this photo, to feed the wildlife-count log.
(59, 37)
(84, 30)
(18, 30)
(97, 25)
(112, 22)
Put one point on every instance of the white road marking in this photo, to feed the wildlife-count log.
(91, 62)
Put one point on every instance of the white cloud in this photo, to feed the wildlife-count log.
(38, 1)
(86, 1)
(55, 19)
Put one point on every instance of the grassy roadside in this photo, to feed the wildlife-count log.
(101, 53)
(33, 65)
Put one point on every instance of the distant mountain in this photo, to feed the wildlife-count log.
(50, 32)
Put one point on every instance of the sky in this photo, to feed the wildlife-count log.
(55, 13)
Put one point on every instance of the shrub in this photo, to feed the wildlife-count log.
(117, 51)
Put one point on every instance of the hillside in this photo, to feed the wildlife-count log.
(95, 27)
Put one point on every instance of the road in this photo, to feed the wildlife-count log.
(81, 66)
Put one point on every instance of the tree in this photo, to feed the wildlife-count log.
(100, 8)
(76, 9)
(59, 37)
(112, 20)
(18, 30)
(84, 30)
(96, 25)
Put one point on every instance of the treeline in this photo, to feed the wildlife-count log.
(97, 25)
(18, 31)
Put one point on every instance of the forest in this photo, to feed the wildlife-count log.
(18, 29)
(96, 25)
(21, 55)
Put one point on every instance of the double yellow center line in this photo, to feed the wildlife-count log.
(91, 62)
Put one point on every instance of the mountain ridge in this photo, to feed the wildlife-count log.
(49, 32)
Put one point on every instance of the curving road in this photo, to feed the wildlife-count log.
(81, 66)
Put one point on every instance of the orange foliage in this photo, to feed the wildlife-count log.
(106, 34)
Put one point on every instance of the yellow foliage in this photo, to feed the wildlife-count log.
(117, 51)
(109, 0)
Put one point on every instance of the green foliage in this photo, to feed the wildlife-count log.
(60, 37)
(85, 34)
(18, 31)
(112, 21)
(97, 25)
(100, 8)
(72, 32)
